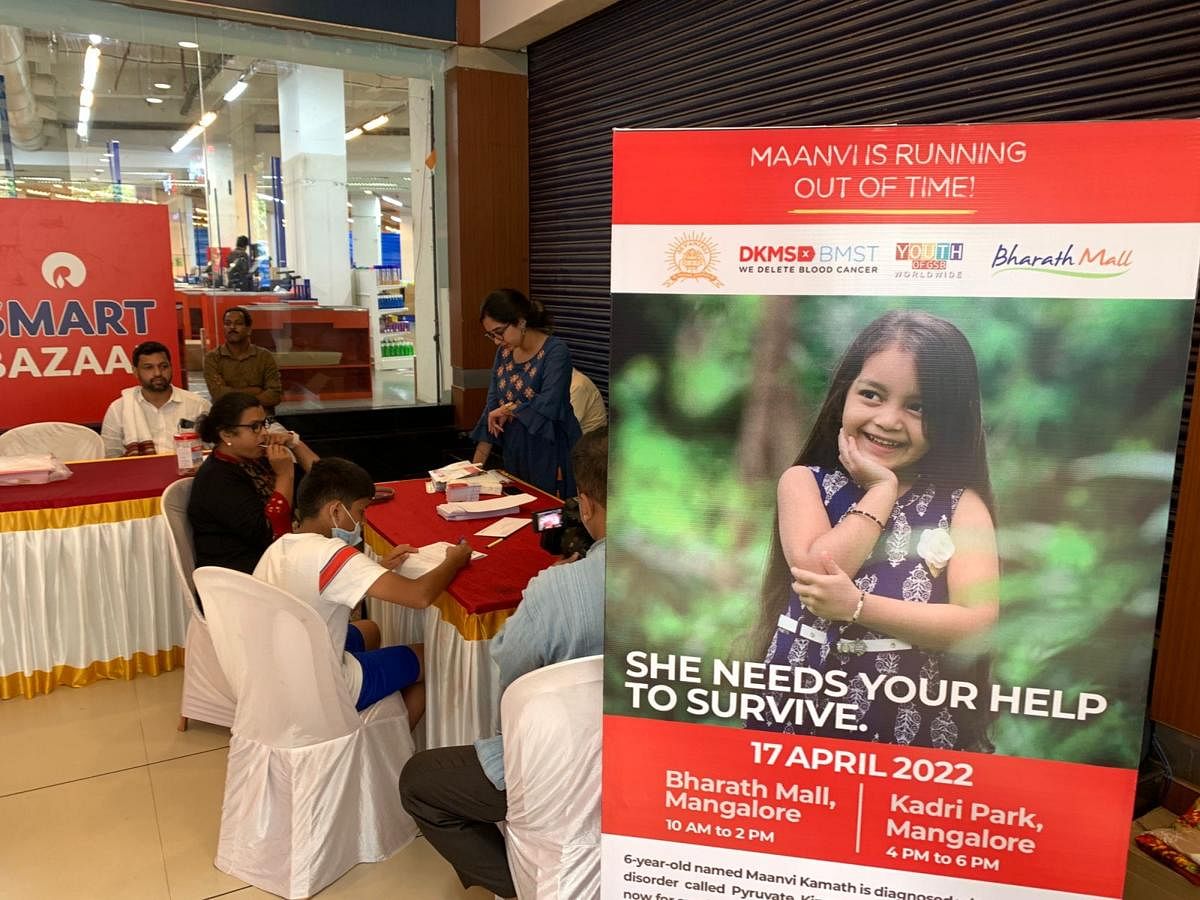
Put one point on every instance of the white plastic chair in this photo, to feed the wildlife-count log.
(550, 719)
(207, 695)
(65, 440)
(311, 785)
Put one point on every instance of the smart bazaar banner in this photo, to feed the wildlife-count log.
(895, 413)
(81, 284)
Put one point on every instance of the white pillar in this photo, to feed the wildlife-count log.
(312, 128)
(406, 247)
(366, 215)
(183, 234)
(219, 187)
(418, 264)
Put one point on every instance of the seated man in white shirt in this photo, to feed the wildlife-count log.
(144, 419)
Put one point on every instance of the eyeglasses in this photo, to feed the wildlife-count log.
(258, 426)
(497, 333)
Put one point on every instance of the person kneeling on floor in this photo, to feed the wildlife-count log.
(457, 794)
(320, 565)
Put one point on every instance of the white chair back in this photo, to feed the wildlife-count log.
(550, 719)
(174, 509)
(275, 651)
(310, 787)
(65, 440)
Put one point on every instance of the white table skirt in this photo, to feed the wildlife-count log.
(72, 598)
(462, 684)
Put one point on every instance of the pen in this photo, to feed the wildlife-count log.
(495, 542)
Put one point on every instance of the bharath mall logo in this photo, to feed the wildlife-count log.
(1088, 262)
(692, 256)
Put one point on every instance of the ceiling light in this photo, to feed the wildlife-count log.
(85, 115)
(392, 200)
(189, 45)
(86, 98)
(94, 39)
(188, 136)
(236, 91)
(162, 85)
(395, 218)
(207, 119)
(353, 133)
(154, 99)
(369, 193)
(91, 66)
(81, 129)
(375, 123)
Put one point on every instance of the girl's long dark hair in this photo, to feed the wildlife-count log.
(951, 415)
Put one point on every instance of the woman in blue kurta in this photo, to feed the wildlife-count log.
(528, 412)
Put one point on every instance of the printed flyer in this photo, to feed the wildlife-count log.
(894, 421)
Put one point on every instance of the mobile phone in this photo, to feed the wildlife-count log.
(512, 489)
(547, 519)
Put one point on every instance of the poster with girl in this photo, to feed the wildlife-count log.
(888, 502)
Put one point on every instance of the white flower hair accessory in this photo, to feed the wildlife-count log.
(935, 548)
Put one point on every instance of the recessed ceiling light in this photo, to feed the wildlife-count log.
(162, 85)
(189, 45)
(154, 99)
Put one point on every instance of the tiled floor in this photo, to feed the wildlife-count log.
(100, 797)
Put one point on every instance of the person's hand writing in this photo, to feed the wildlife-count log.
(397, 555)
(829, 594)
(866, 471)
(460, 553)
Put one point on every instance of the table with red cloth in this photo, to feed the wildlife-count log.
(462, 684)
(88, 587)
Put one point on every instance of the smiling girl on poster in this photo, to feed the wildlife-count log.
(884, 555)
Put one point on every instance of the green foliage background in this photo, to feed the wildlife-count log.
(1081, 403)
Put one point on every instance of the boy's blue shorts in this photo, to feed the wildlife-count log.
(384, 671)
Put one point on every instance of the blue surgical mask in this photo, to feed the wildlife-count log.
(353, 538)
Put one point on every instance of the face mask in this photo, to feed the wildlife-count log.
(353, 538)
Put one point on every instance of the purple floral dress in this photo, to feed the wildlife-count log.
(893, 570)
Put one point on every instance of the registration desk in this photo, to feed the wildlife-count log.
(87, 585)
(462, 684)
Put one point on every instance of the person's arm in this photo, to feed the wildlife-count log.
(973, 576)
(272, 388)
(483, 446)
(217, 387)
(521, 645)
(279, 505)
(805, 532)
(112, 432)
(419, 593)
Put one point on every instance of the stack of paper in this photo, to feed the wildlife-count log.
(483, 509)
(428, 558)
(453, 472)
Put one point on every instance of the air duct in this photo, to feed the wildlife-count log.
(25, 125)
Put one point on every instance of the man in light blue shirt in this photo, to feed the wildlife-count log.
(457, 794)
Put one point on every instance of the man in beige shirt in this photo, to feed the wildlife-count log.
(238, 365)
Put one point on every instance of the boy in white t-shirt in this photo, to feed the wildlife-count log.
(320, 565)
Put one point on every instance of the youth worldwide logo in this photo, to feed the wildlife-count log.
(693, 255)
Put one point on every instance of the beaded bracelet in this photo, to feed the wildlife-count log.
(862, 512)
(862, 598)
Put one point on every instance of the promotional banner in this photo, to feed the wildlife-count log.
(81, 285)
(895, 412)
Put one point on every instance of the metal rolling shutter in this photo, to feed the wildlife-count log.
(662, 63)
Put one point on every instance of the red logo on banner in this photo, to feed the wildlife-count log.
(84, 284)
